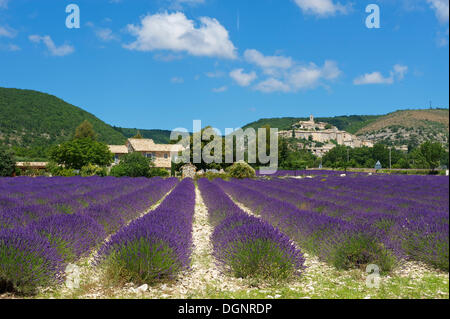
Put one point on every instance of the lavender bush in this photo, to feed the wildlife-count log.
(73, 236)
(247, 246)
(156, 246)
(27, 261)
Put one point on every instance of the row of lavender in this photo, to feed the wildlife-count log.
(407, 214)
(36, 246)
(156, 246)
(24, 200)
(245, 245)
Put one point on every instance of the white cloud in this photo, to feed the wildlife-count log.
(398, 74)
(175, 32)
(10, 47)
(272, 85)
(441, 7)
(62, 50)
(179, 4)
(7, 32)
(268, 63)
(4, 3)
(177, 80)
(106, 34)
(322, 8)
(300, 77)
(400, 71)
(310, 76)
(220, 90)
(216, 74)
(167, 57)
(373, 78)
(242, 78)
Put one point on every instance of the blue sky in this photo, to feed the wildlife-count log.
(163, 63)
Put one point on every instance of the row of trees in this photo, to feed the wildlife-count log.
(429, 155)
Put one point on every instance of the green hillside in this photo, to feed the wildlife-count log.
(32, 121)
(158, 136)
(409, 127)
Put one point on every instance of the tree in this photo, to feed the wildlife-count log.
(85, 130)
(80, 152)
(336, 155)
(241, 170)
(429, 155)
(133, 165)
(138, 135)
(194, 152)
(7, 162)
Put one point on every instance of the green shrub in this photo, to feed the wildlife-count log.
(93, 170)
(241, 170)
(133, 165)
(361, 250)
(141, 262)
(7, 162)
(259, 259)
(158, 172)
(212, 176)
(56, 170)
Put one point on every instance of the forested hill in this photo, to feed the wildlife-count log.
(158, 136)
(31, 121)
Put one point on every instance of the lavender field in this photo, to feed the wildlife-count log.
(329, 236)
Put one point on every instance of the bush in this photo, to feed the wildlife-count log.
(212, 176)
(57, 170)
(7, 162)
(27, 261)
(361, 250)
(158, 172)
(247, 247)
(72, 235)
(93, 170)
(260, 259)
(133, 165)
(141, 261)
(241, 170)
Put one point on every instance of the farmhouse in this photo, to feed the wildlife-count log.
(161, 154)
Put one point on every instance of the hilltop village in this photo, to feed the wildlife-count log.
(320, 137)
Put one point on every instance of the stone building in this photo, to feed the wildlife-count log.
(188, 171)
(160, 154)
